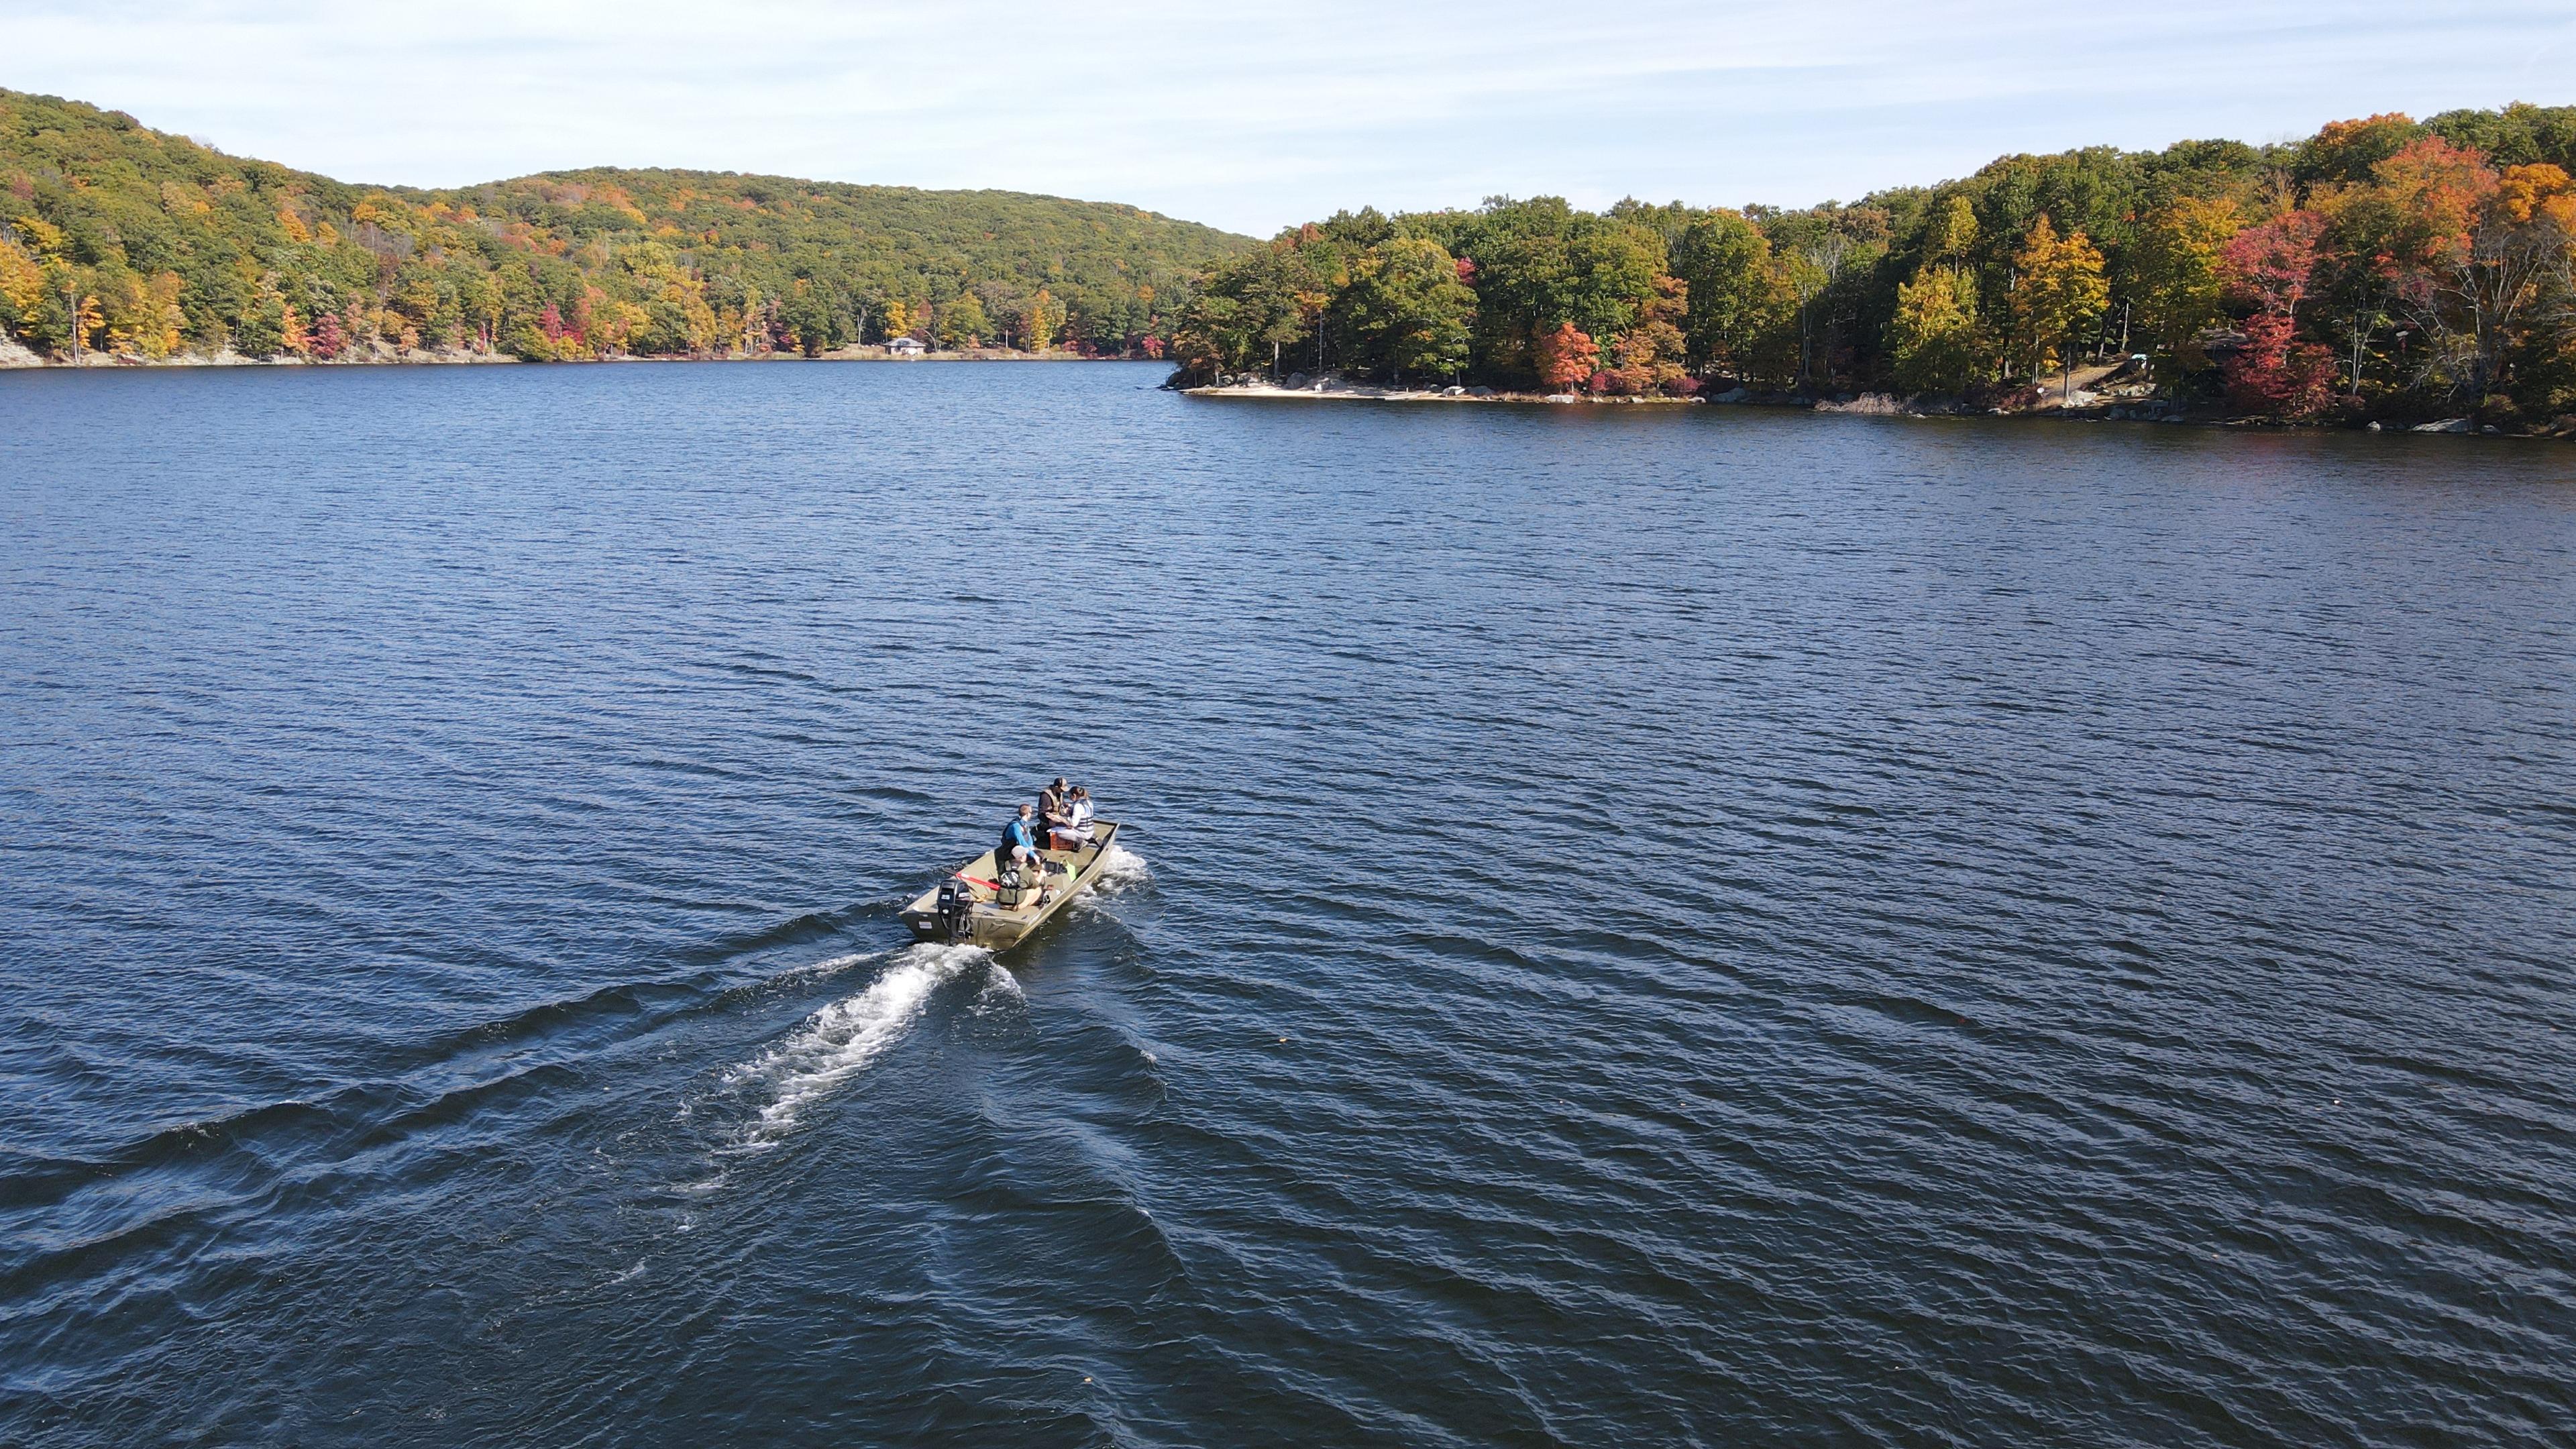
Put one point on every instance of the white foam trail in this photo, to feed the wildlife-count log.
(838, 1042)
(1001, 989)
(828, 966)
(1122, 872)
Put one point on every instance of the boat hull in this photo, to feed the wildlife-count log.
(996, 927)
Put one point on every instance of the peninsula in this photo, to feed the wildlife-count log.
(2383, 270)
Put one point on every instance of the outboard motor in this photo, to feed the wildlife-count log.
(956, 909)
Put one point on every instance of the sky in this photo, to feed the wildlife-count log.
(1254, 117)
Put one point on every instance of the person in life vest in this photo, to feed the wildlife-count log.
(1051, 807)
(1075, 832)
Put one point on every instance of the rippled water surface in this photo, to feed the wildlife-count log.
(1644, 926)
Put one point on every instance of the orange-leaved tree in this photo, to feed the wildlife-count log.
(1566, 357)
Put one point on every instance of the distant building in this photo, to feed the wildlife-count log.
(905, 347)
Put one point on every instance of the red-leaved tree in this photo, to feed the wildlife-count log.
(2276, 374)
(2273, 266)
(1566, 357)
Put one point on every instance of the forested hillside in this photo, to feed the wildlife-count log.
(146, 244)
(2382, 266)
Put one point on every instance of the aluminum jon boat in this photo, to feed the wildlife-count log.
(979, 906)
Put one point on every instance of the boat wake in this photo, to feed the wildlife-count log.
(1121, 872)
(841, 1040)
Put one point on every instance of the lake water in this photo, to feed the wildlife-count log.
(1645, 926)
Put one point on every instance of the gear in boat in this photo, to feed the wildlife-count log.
(1048, 854)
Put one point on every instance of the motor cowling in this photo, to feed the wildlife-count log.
(956, 908)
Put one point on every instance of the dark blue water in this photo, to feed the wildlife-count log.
(1646, 926)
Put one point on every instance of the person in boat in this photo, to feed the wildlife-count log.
(1019, 842)
(1051, 803)
(1075, 832)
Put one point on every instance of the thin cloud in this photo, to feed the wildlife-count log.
(1258, 119)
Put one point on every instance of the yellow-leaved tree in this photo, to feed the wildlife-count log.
(1933, 336)
(2062, 291)
(2173, 276)
(22, 289)
(1933, 340)
(143, 316)
(1040, 320)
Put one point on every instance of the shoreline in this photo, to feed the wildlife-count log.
(1447, 393)
(15, 357)
(1877, 405)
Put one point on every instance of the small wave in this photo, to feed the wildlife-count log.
(839, 1041)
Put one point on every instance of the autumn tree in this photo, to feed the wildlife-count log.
(1041, 317)
(2475, 252)
(1933, 340)
(2345, 152)
(1540, 263)
(1950, 235)
(1650, 355)
(2276, 374)
(2271, 269)
(143, 315)
(89, 322)
(1566, 357)
(2172, 277)
(2062, 292)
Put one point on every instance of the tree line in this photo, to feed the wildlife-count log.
(116, 238)
(2383, 266)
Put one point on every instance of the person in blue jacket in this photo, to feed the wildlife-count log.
(1019, 842)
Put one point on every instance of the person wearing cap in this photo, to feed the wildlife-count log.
(1075, 832)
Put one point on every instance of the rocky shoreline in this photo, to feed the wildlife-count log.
(2085, 407)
